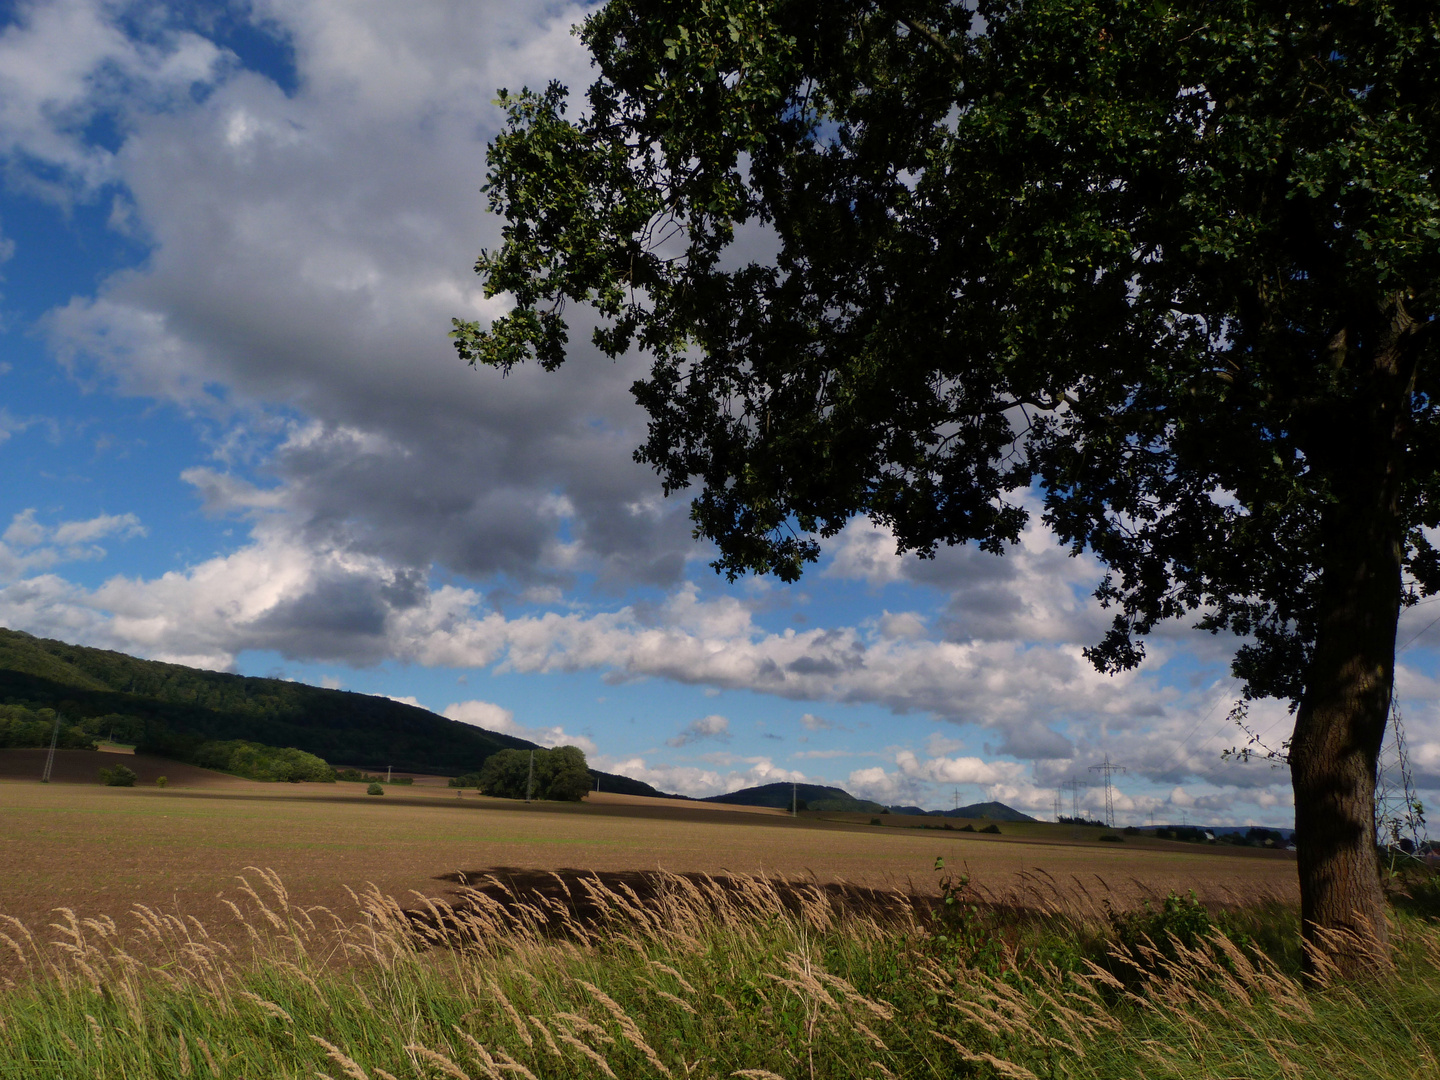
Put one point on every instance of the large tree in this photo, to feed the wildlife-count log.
(1172, 264)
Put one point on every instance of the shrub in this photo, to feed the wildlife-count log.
(375, 789)
(992, 829)
(1113, 838)
(874, 821)
(161, 781)
(470, 779)
(1131, 830)
(119, 776)
(967, 827)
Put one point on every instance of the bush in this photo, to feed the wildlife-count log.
(560, 774)
(161, 781)
(119, 776)
(1112, 838)
(470, 779)
(874, 821)
(992, 829)
(255, 761)
(967, 827)
(375, 789)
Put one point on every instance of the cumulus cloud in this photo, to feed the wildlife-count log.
(349, 220)
(492, 717)
(714, 727)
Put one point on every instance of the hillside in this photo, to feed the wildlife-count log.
(817, 797)
(991, 811)
(813, 796)
(168, 709)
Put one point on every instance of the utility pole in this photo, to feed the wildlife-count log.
(1107, 767)
(50, 757)
(387, 774)
(530, 780)
(957, 798)
(1057, 806)
(794, 799)
(1074, 786)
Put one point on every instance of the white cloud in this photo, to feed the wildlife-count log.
(713, 726)
(65, 63)
(492, 717)
(28, 544)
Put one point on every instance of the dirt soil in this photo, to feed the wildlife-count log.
(101, 850)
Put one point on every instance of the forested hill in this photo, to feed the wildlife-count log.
(166, 708)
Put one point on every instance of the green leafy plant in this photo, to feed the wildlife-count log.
(375, 789)
(960, 930)
(119, 776)
(161, 781)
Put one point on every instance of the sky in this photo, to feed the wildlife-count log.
(234, 434)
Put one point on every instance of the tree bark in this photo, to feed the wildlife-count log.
(1341, 720)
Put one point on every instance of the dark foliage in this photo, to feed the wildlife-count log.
(558, 775)
(119, 776)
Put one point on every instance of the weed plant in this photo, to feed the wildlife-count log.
(702, 979)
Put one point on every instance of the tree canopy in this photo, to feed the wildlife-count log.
(559, 774)
(1171, 268)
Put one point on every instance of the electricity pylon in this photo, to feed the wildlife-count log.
(1399, 816)
(1107, 767)
(50, 757)
(1075, 787)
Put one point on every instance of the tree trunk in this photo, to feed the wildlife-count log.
(1341, 720)
(1338, 731)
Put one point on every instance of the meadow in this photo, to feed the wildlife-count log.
(230, 929)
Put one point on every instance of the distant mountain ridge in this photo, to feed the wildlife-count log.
(838, 800)
(172, 706)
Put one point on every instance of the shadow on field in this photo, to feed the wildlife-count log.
(566, 900)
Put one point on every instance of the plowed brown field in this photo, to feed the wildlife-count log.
(99, 850)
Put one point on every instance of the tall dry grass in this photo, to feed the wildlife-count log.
(693, 978)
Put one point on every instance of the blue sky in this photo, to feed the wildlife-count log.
(233, 434)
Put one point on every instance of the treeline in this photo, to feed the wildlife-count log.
(22, 727)
(559, 775)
